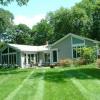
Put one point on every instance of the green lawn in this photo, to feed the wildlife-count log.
(80, 83)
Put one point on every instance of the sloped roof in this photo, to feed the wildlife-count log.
(29, 48)
(76, 36)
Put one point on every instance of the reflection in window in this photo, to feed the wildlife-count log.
(77, 51)
(54, 56)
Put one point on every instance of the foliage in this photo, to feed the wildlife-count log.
(6, 22)
(78, 20)
(96, 22)
(41, 32)
(2, 44)
(88, 53)
(19, 2)
(81, 19)
(65, 62)
(60, 21)
(22, 34)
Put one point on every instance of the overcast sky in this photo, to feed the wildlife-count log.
(35, 10)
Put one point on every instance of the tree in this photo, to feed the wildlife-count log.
(96, 22)
(6, 22)
(66, 21)
(80, 21)
(22, 34)
(87, 5)
(60, 21)
(19, 2)
(42, 32)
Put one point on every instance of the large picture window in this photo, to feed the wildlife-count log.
(9, 59)
(12, 59)
(8, 56)
(77, 51)
(5, 59)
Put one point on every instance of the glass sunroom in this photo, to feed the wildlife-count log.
(24, 55)
(8, 57)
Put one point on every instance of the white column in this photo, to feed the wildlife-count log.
(43, 57)
(22, 61)
(97, 50)
(40, 59)
(8, 56)
(34, 58)
(26, 59)
(51, 57)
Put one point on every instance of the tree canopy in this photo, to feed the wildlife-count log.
(81, 19)
(6, 22)
(19, 2)
(22, 34)
(42, 32)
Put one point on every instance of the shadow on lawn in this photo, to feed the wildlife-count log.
(11, 71)
(82, 73)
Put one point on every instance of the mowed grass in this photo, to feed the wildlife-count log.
(72, 83)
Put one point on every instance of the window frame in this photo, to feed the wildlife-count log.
(76, 46)
(57, 55)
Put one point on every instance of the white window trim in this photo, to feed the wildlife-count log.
(8, 56)
(76, 45)
(76, 49)
(72, 46)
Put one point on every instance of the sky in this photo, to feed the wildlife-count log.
(36, 10)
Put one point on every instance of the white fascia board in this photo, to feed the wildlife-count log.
(14, 48)
(80, 44)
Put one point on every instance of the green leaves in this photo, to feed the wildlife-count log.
(96, 21)
(42, 32)
(88, 53)
(6, 23)
(19, 2)
(22, 34)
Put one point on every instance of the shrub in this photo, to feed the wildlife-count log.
(79, 61)
(65, 62)
(98, 63)
(88, 54)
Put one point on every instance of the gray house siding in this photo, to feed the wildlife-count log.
(64, 49)
(18, 58)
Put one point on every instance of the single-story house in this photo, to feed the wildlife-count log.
(26, 55)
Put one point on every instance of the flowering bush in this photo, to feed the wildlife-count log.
(65, 62)
(88, 54)
(79, 61)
